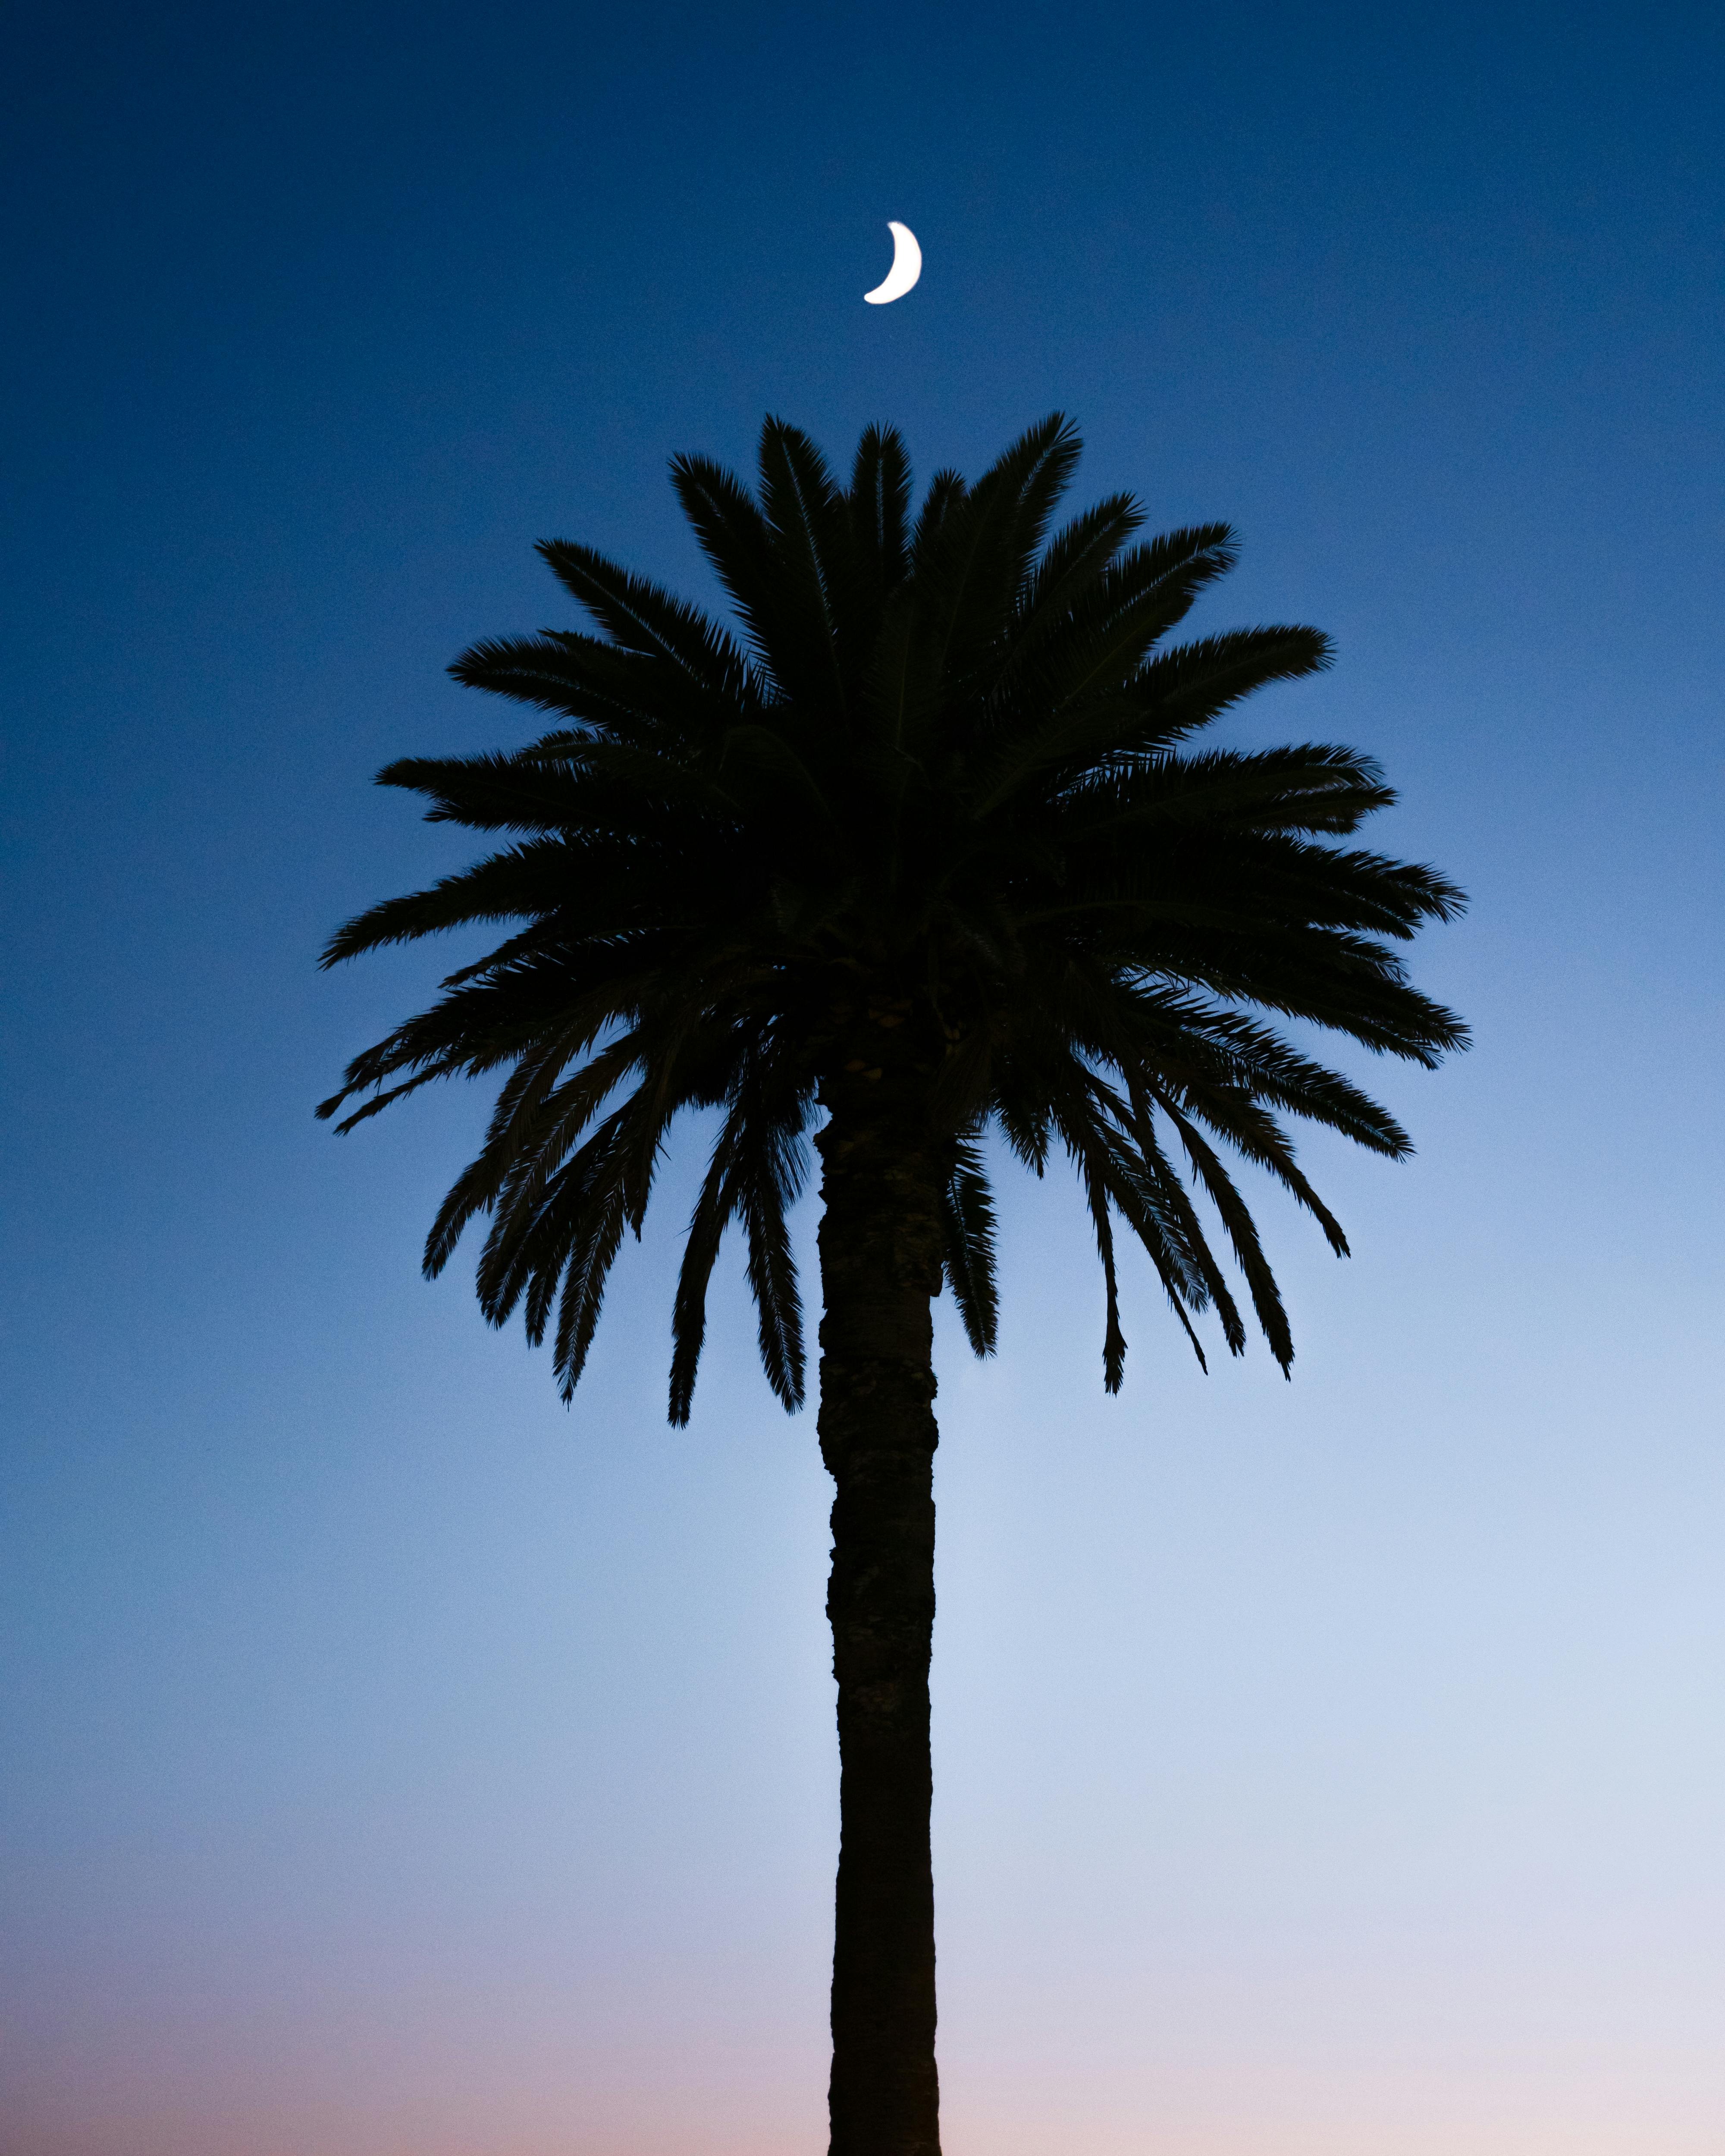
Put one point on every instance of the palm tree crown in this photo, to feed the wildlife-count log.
(931, 818)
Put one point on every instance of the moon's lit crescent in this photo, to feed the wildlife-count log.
(906, 267)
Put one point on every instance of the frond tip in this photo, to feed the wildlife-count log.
(968, 1233)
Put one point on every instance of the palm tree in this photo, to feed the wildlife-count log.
(921, 853)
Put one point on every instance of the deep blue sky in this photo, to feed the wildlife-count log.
(400, 1764)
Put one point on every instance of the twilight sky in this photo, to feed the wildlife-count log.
(396, 1764)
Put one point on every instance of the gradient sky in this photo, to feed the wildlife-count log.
(398, 1764)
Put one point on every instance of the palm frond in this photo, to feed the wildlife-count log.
(880, 511)
(810, 525)
(1182, 691)
(641, 616)
(967, 1226)
(736, 539)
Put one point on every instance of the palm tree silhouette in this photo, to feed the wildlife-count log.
(920, 853)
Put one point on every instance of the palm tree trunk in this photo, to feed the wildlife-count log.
(879, 1259)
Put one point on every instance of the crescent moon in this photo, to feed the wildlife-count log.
(906, 267)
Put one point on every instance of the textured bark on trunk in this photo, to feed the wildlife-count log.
(880, 1260)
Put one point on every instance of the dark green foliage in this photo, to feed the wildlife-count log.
(942, 782)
